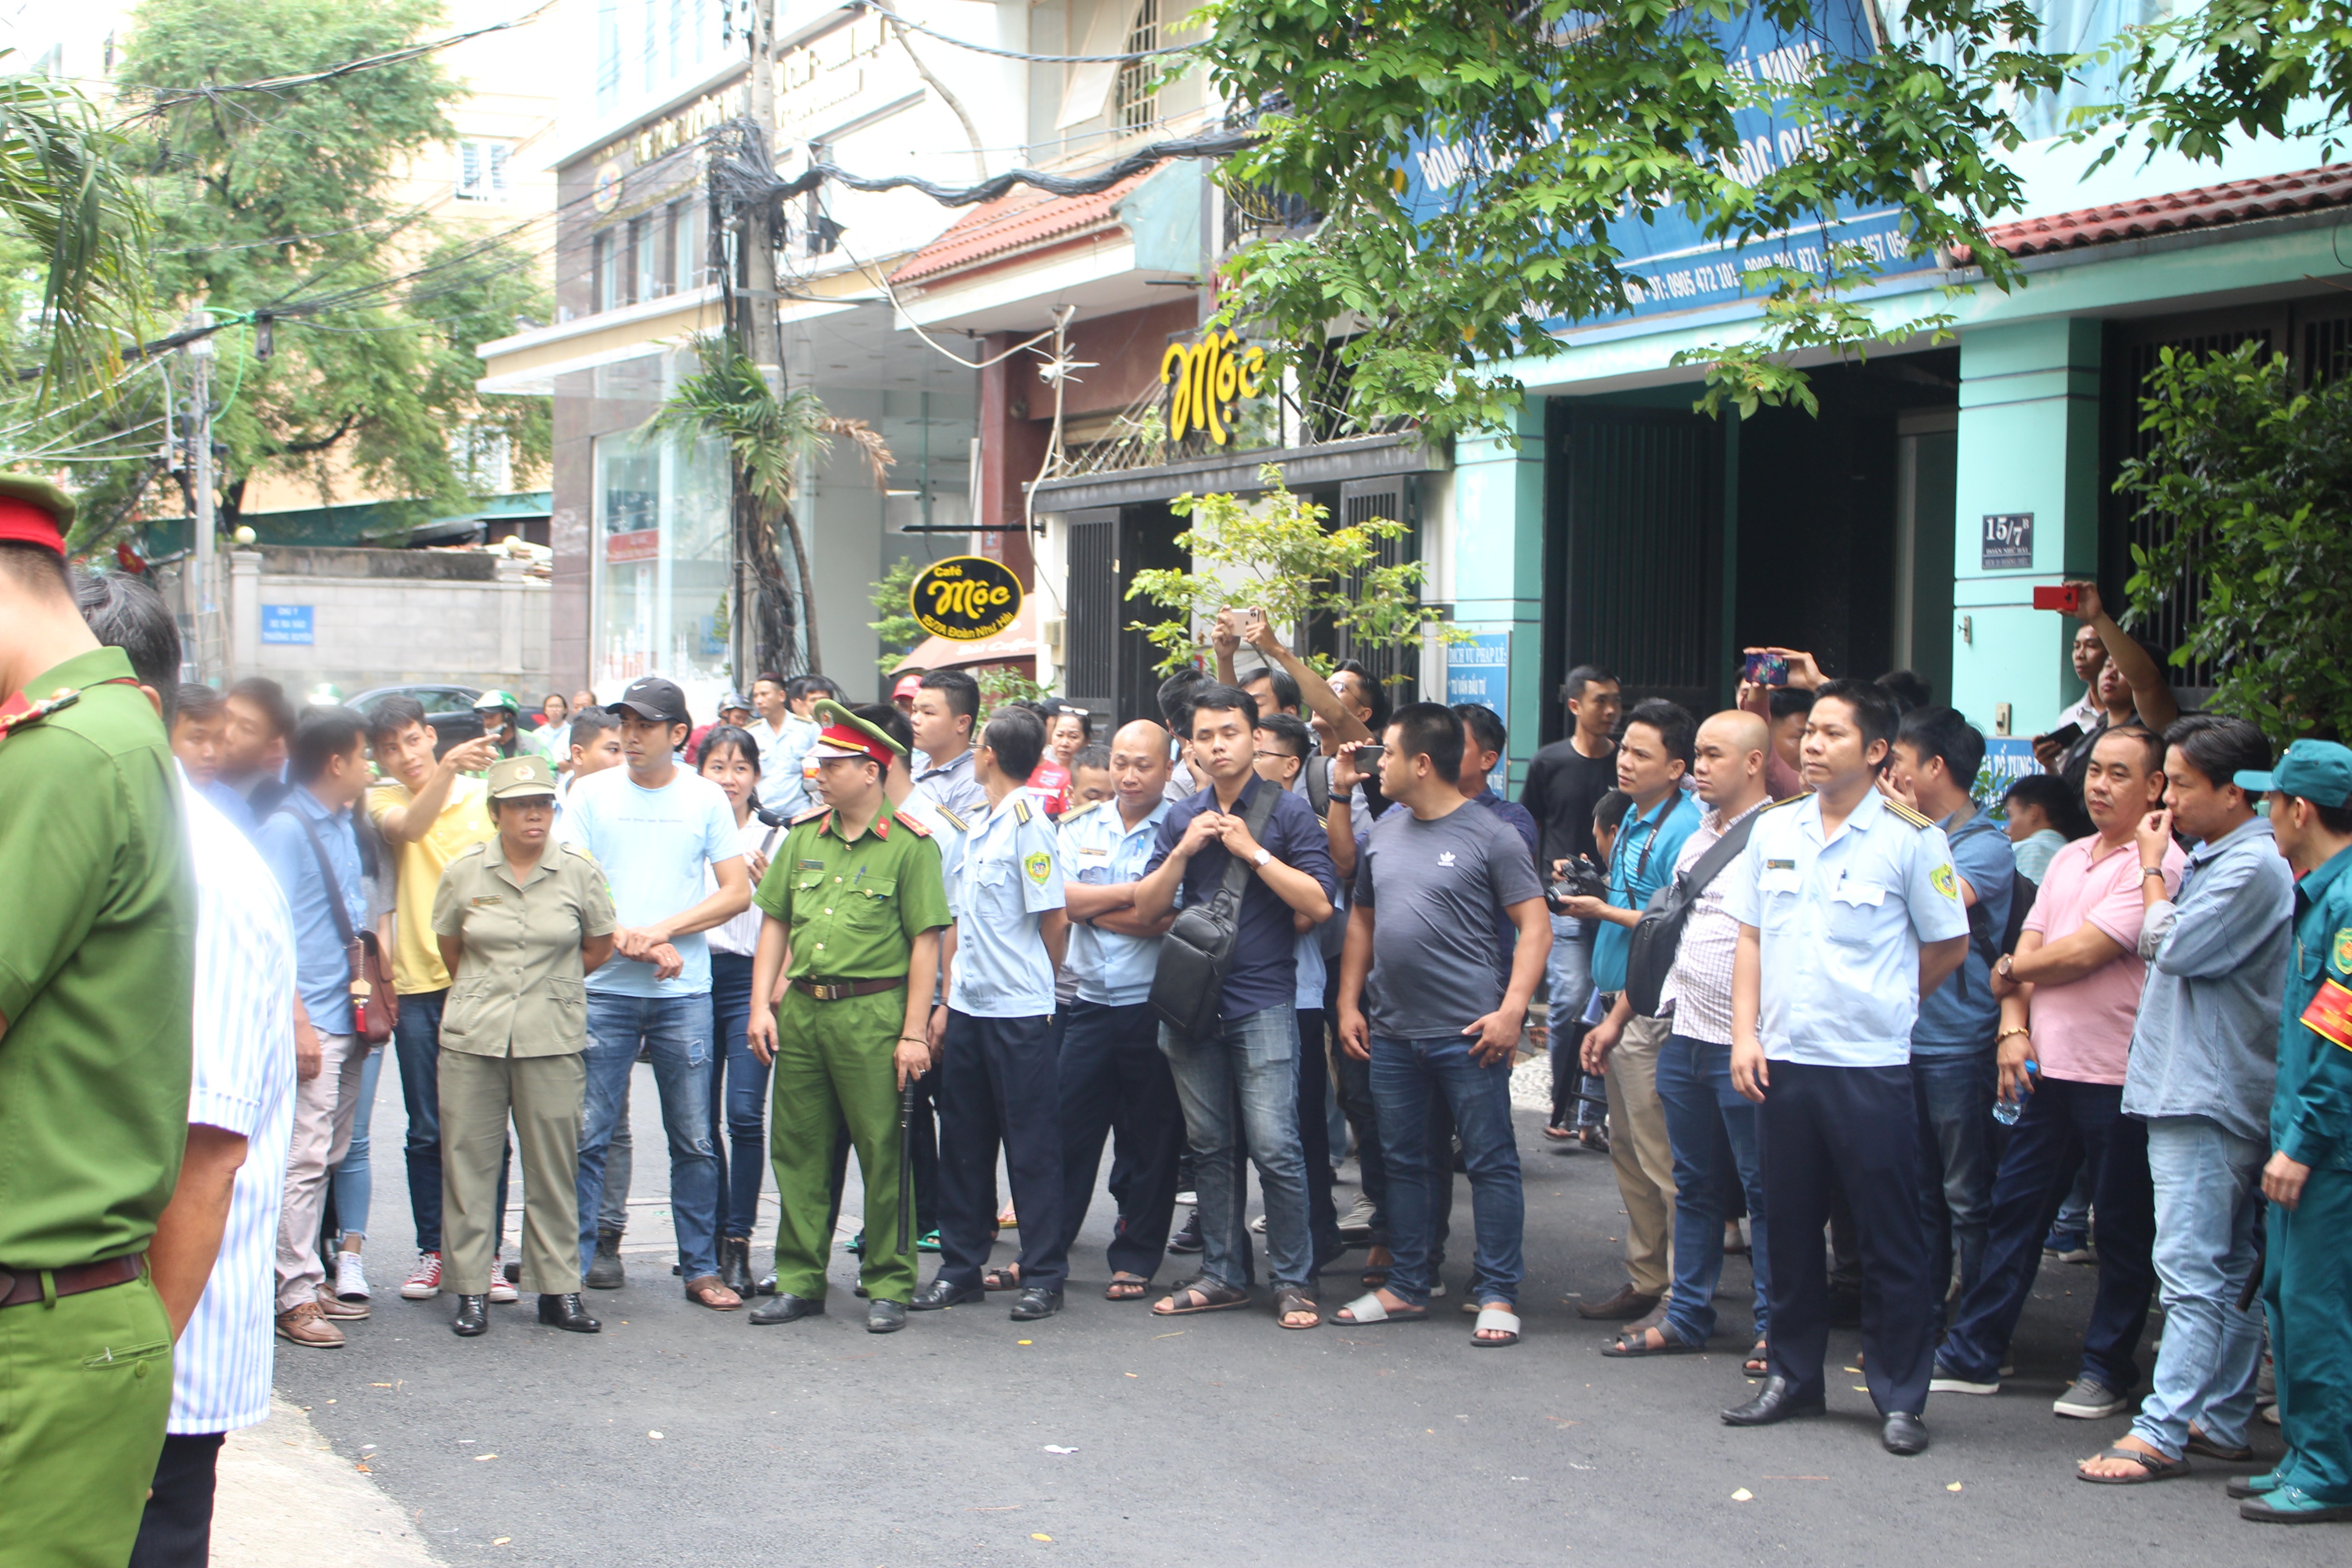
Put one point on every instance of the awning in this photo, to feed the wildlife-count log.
(1018, 641)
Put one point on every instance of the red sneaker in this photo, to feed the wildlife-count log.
(424, 1281)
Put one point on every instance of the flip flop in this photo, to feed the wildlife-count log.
(1633, 1344)
(1368, 1308)
(1498, 1317)
(2152, 1468)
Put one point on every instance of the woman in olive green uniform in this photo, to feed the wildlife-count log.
(520, 922)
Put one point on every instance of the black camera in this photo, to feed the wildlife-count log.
(1579, 878)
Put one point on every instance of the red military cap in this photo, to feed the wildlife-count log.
(34, 512)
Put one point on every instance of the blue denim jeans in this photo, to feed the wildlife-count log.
(2064, 1121)
(2209, 1194)
(1711, 1128)
(416, 1040)
(739, 1090)
(1955, 1094)
(678, 1029)
(1405, 1074)
(1252, 1060)
(351, 1183)
(1568, 982)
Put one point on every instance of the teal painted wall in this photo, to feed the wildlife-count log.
(1498, 566)
(2029, 442)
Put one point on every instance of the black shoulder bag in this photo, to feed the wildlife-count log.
(1188, 988)
(1658, 933)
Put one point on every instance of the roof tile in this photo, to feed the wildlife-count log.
(2232, 201)
(1023, 219)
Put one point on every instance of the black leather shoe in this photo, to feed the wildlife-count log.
(473, 1315)
(735, 1264)
(565, 1312)
(767, 1284)
(605, 1269)
(1904, 1434)
(939, 1293)
(885, 1317)
(1773, 1402)
(1189, 1238)
(783, 1307)
(1037, 1301)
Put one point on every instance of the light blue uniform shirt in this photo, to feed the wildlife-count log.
(1842, 923)
(1099, 849)
(953, 786)
(781, 752)
(947, 831)
(322, 966)
(1012, 876)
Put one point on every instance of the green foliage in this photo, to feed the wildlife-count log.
(1000, 684)
(2226, 69)
(286, 200)
(897, 628)
(70, 219)
(2251, 481)
(1570, 117)
(1275, 553)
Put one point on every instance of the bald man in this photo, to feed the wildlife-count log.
(1112, 1072)
(1695, 1064)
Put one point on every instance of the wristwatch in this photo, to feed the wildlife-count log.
(2147, 871)
(1262, 856)
(2001, 966)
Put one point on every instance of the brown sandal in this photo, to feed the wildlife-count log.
(1199, 1296)
(1126, 1287)
(1007, 1277)
(1289, 1300)
(709, 1291)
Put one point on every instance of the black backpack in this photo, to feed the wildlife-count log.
(1650, 957)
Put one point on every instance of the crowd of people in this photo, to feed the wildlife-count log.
(1813, 1000)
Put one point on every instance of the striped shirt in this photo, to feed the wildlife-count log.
(1697, 992)
(243, 1083)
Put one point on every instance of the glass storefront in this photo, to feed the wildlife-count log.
(660, 604)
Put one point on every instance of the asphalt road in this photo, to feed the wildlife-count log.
(680, 1435)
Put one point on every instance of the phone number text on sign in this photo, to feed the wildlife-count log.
(964, 598)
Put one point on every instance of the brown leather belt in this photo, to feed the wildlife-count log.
(24, 1285)
(838, 990)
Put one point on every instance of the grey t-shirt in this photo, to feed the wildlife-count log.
(1435, 888)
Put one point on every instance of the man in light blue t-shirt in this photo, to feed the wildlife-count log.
(653, 827)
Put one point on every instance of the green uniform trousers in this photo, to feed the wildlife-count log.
(85, 1386)
(834, 1065)
(2307, 1287)
(544, 1095)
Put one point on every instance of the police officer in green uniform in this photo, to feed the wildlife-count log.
(521, 922)
(2308, 1262)
(96, 993)
(856, 901)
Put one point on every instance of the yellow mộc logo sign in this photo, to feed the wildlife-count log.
(1208, 377)
(964, 598)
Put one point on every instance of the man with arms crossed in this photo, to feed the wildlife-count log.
(1849, 911)
(653, 825)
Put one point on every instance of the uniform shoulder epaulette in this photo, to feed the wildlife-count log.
(484, 847)
(1076, 812)
(1905, 814)
(1021, 812)
(1789, 801)
(914, 824)
(811, 814)
(957, 823)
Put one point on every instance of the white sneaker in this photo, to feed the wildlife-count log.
(502, 1290)
(351, 1277)
(1356, 1225)
(1257, 1225)
(424, 1281)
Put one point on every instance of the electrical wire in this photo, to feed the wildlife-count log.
(752, 183)
(929, 32)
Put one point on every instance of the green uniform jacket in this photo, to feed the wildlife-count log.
(519, 990)
(98, 930)
(854, 908)
(2311, 1114)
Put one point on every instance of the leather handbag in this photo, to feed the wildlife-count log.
(375, 1004)
(1188, 988)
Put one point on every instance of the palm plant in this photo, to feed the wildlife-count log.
(64, 193)
(768, 436)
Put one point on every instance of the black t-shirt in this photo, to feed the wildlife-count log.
(1563, 786)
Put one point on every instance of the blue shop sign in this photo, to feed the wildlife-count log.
(288, 624)
(1479, 671)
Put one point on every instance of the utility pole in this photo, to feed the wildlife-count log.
(207, 583)
(764, 341)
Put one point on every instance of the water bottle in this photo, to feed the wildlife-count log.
(2005, 1111)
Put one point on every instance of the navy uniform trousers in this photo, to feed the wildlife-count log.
(1116, 1084)
(1820, 1128)
(999, 1083)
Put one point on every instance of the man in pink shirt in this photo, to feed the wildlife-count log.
(2069, 997)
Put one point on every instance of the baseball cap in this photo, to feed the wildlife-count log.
(655, 699)
(34, 512)
(733, 698)
(907, 688)
(2318, 771)
(846, 735)
(493, 699)
(511, 778)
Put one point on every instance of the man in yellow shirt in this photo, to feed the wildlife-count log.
(428, 813)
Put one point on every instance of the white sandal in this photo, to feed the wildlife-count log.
(1499, 1318)
(1369, 1307)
